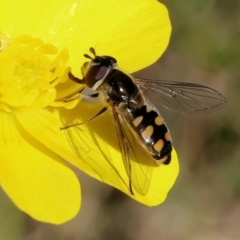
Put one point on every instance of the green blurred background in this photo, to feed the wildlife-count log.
(204, 203)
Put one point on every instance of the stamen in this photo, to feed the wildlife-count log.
(29, 74)
(4, 41)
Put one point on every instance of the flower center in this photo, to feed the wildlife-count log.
(29, 73)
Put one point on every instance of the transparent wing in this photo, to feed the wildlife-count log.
(96, 144)
(182, 97)
(137, 161)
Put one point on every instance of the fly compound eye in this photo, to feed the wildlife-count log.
(110, 60)
(113, 60)
(105, 61)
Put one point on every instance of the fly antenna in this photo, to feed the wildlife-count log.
(87, 56)
(92, 51)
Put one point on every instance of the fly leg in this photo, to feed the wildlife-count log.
(89, 120)
(93, 95)
(79, 81)
(75, 79)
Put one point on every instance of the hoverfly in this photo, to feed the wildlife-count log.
(142, 132)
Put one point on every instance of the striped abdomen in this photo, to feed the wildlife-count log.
(153, 132)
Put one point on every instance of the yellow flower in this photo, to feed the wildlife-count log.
(34, 87)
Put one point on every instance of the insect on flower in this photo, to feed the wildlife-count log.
(143, 137)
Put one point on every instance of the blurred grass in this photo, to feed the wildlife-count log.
(11, 219)
(207, 31)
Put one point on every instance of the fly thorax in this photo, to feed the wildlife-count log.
(136, 101)
(123, 89)
(126, 112)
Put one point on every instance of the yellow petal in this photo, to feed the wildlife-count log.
(36, 180)
(135, 32)
(44, 125)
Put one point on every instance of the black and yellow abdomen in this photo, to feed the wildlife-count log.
(154, 133)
